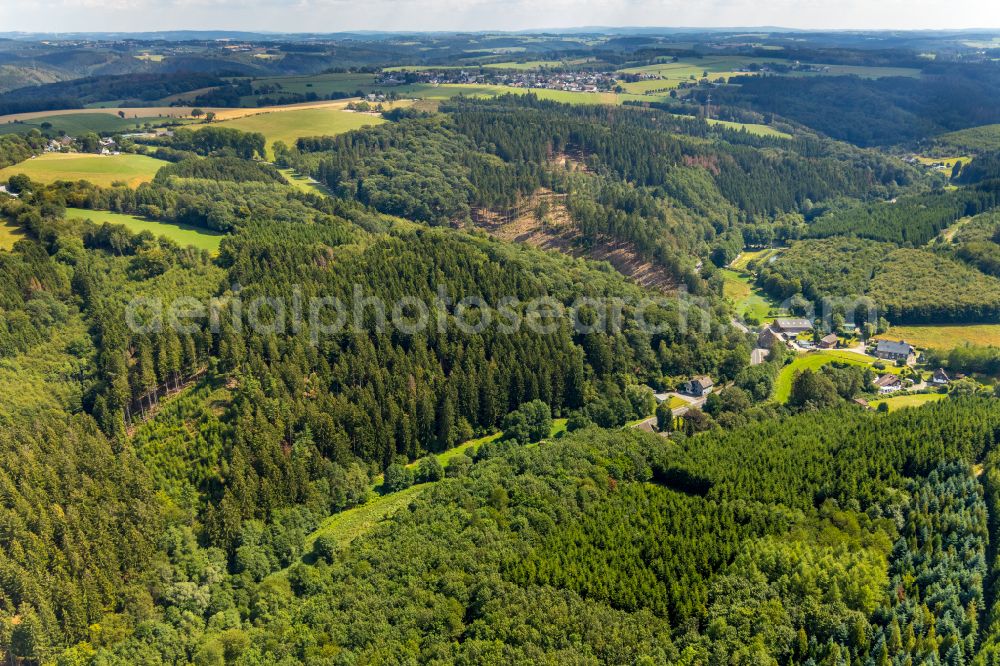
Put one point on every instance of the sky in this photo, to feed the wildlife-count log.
(420, 15)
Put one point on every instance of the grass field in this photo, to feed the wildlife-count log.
(812, 361)
(946, 336)
(75, 124)
(677, 402)
(742, 262)
(863, 71)
(288, 126)
(947, 161)
(748, 300)
(98, 169)
(9, 234)
(303, 183)
(673, 73)
(536, 64)
(183, 235)
(321, 84)
(348, 525)
(752, 128)
(175, 112)
(915, 400)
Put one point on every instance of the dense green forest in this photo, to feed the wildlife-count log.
(648, 178)
(906, 285)
(372, 429)
(841, 528)
(870, 112)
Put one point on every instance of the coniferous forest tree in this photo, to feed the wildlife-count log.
(488, 459)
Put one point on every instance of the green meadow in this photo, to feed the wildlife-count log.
(812, 361)
(290, 125)
(9, 234)
(100, 170)
(322, 84)
(916, 400)
(747, 299)
(75, 124)
(181, 234)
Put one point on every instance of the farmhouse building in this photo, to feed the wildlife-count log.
(699, 386)
(793, 325)
(888, 383)
(890, 350)
(940, 377)
(769, 337)
(829, 342)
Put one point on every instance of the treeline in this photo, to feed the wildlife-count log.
(977, 243)
(247, 195)
(220, 168)
(918, 287)
(984, 167)
(967, 359)
(15, 148)
(135, 89)
(912, 220)
(835, 266)
(905, 285)
(874, 112)
(34, 291)
(213, 140)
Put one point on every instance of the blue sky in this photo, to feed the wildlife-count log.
(336, 15)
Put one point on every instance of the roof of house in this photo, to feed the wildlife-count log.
(887, 380)
(894, 347)
(793, 322)
(704, 380)
(941, 374)
(832, 338)
(770, 334)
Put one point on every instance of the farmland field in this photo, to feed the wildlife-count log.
(98, 169)
(812, 361)
(946, 336)
(168, 112)
(75, 124)
(322, 84)
(863, 71)
(183, 235)
(288, 126)
(9, 234)
(915, 400)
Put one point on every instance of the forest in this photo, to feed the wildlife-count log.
(201, 466)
